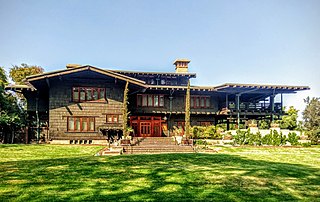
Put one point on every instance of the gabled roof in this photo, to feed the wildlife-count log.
(84, 68)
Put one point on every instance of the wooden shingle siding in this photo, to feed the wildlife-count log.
(61, 106)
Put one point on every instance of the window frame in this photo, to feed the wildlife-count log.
(92, 91)
(81, 118)
(156, 100)
(196, 102)
(113, 116)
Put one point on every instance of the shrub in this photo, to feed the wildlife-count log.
(197, 132)
(274, 138)
(240, 137)
(293, 138)
(209, 132)
(306, 144)
(201, 142)
(267, 139)
(254, 139)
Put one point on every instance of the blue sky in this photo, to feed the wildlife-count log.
(265, 41)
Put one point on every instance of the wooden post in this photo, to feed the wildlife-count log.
(37, 117)
(238, 109)
(272, 106)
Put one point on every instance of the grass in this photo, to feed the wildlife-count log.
(59, 173)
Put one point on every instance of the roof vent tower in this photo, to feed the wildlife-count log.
(181, 65)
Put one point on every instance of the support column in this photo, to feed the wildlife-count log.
(37, 117)
(238, 109)
(281, 103)
(272, 107)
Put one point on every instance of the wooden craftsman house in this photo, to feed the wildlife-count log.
(85, 103)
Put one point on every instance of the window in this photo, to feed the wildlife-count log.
(200, 102)
(84, 94)
(150, 100)
(205, 123)
(112, 118)
(81, 124)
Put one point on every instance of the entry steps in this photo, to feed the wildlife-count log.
(156, 145)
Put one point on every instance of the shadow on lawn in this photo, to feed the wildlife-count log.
(163, 177)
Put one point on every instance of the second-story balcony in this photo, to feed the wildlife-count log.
(255, 107)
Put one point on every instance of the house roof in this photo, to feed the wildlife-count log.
(19, 87)
(84, 68)
(187, 74)
(194, 88)
(238, 88)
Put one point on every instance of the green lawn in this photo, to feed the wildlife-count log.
(58, 173)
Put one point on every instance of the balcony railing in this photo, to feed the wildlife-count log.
(250, 106)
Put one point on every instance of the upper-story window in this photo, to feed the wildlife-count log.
(84, 94)
(149, 100)
(200, 102)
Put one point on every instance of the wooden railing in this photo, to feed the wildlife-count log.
(249, 106)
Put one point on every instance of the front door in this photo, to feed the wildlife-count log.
(145, 129)
(146, 126)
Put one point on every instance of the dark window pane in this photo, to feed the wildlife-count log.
(102, 94)
(91, 124)
(208, 102)
(95, 94)
(84, 126)
(144, 100)
(150, 101)
(71, 124)
(82, 94)
(161, 103)
(89, 94)
(77, 124)
(156, 100)
(202, 102)
(75, 93)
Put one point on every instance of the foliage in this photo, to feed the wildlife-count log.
(254, 139)
(176, 131)
(240, 137)
(125, 110)
(274, 138)
(293, 139)
(72, 173)
(205, 132)
(311, 117)
(19, 73)
(12, 115)
(306, 144)
(289, 121)
(198, 132)
(263, 124)
(187, 115)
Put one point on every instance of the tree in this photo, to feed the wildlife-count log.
(12, 116)
(289, 121)
(187, 116)
(311, 117)
(125, 110)
(19, 73)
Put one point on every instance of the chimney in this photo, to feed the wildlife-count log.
(181, 65)
(72, 66)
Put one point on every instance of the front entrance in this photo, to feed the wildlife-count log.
(146, 126)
